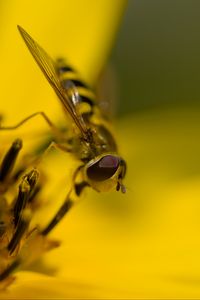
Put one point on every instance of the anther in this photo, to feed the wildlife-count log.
(9, 159)
(34, 194)
(26, 191)
(22, 199)
(20, 230)
(2, 228)
(32, 178)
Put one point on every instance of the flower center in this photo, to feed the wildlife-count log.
(20, 241)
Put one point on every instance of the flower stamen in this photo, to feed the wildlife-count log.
(20, 242)
(9, 159)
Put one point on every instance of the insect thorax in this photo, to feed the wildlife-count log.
(101, 141)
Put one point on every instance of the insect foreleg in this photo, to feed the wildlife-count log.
(53, 145)
(40, 113)
(68, 203)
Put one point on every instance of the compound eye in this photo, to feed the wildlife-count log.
(104, 169)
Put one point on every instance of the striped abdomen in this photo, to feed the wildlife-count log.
(77, 89)
(83, 98)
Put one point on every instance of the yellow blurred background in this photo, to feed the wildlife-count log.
(157, 62)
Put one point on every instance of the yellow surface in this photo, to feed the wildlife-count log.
(144, 244)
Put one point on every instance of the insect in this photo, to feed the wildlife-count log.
(101, 167)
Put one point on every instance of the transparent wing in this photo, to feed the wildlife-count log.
(48, 68)
(107, 91)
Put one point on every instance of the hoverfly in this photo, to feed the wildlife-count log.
(93, 144)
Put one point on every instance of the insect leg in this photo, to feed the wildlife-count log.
(68, 203)
(40, 113)
(59, 215)
(63, 147)
(53, 145)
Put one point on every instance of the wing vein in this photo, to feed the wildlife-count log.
(47, 66)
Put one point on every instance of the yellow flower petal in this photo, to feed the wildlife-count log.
(29, 285)
(150, 247)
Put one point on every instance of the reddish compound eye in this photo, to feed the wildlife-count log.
(103, 169)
